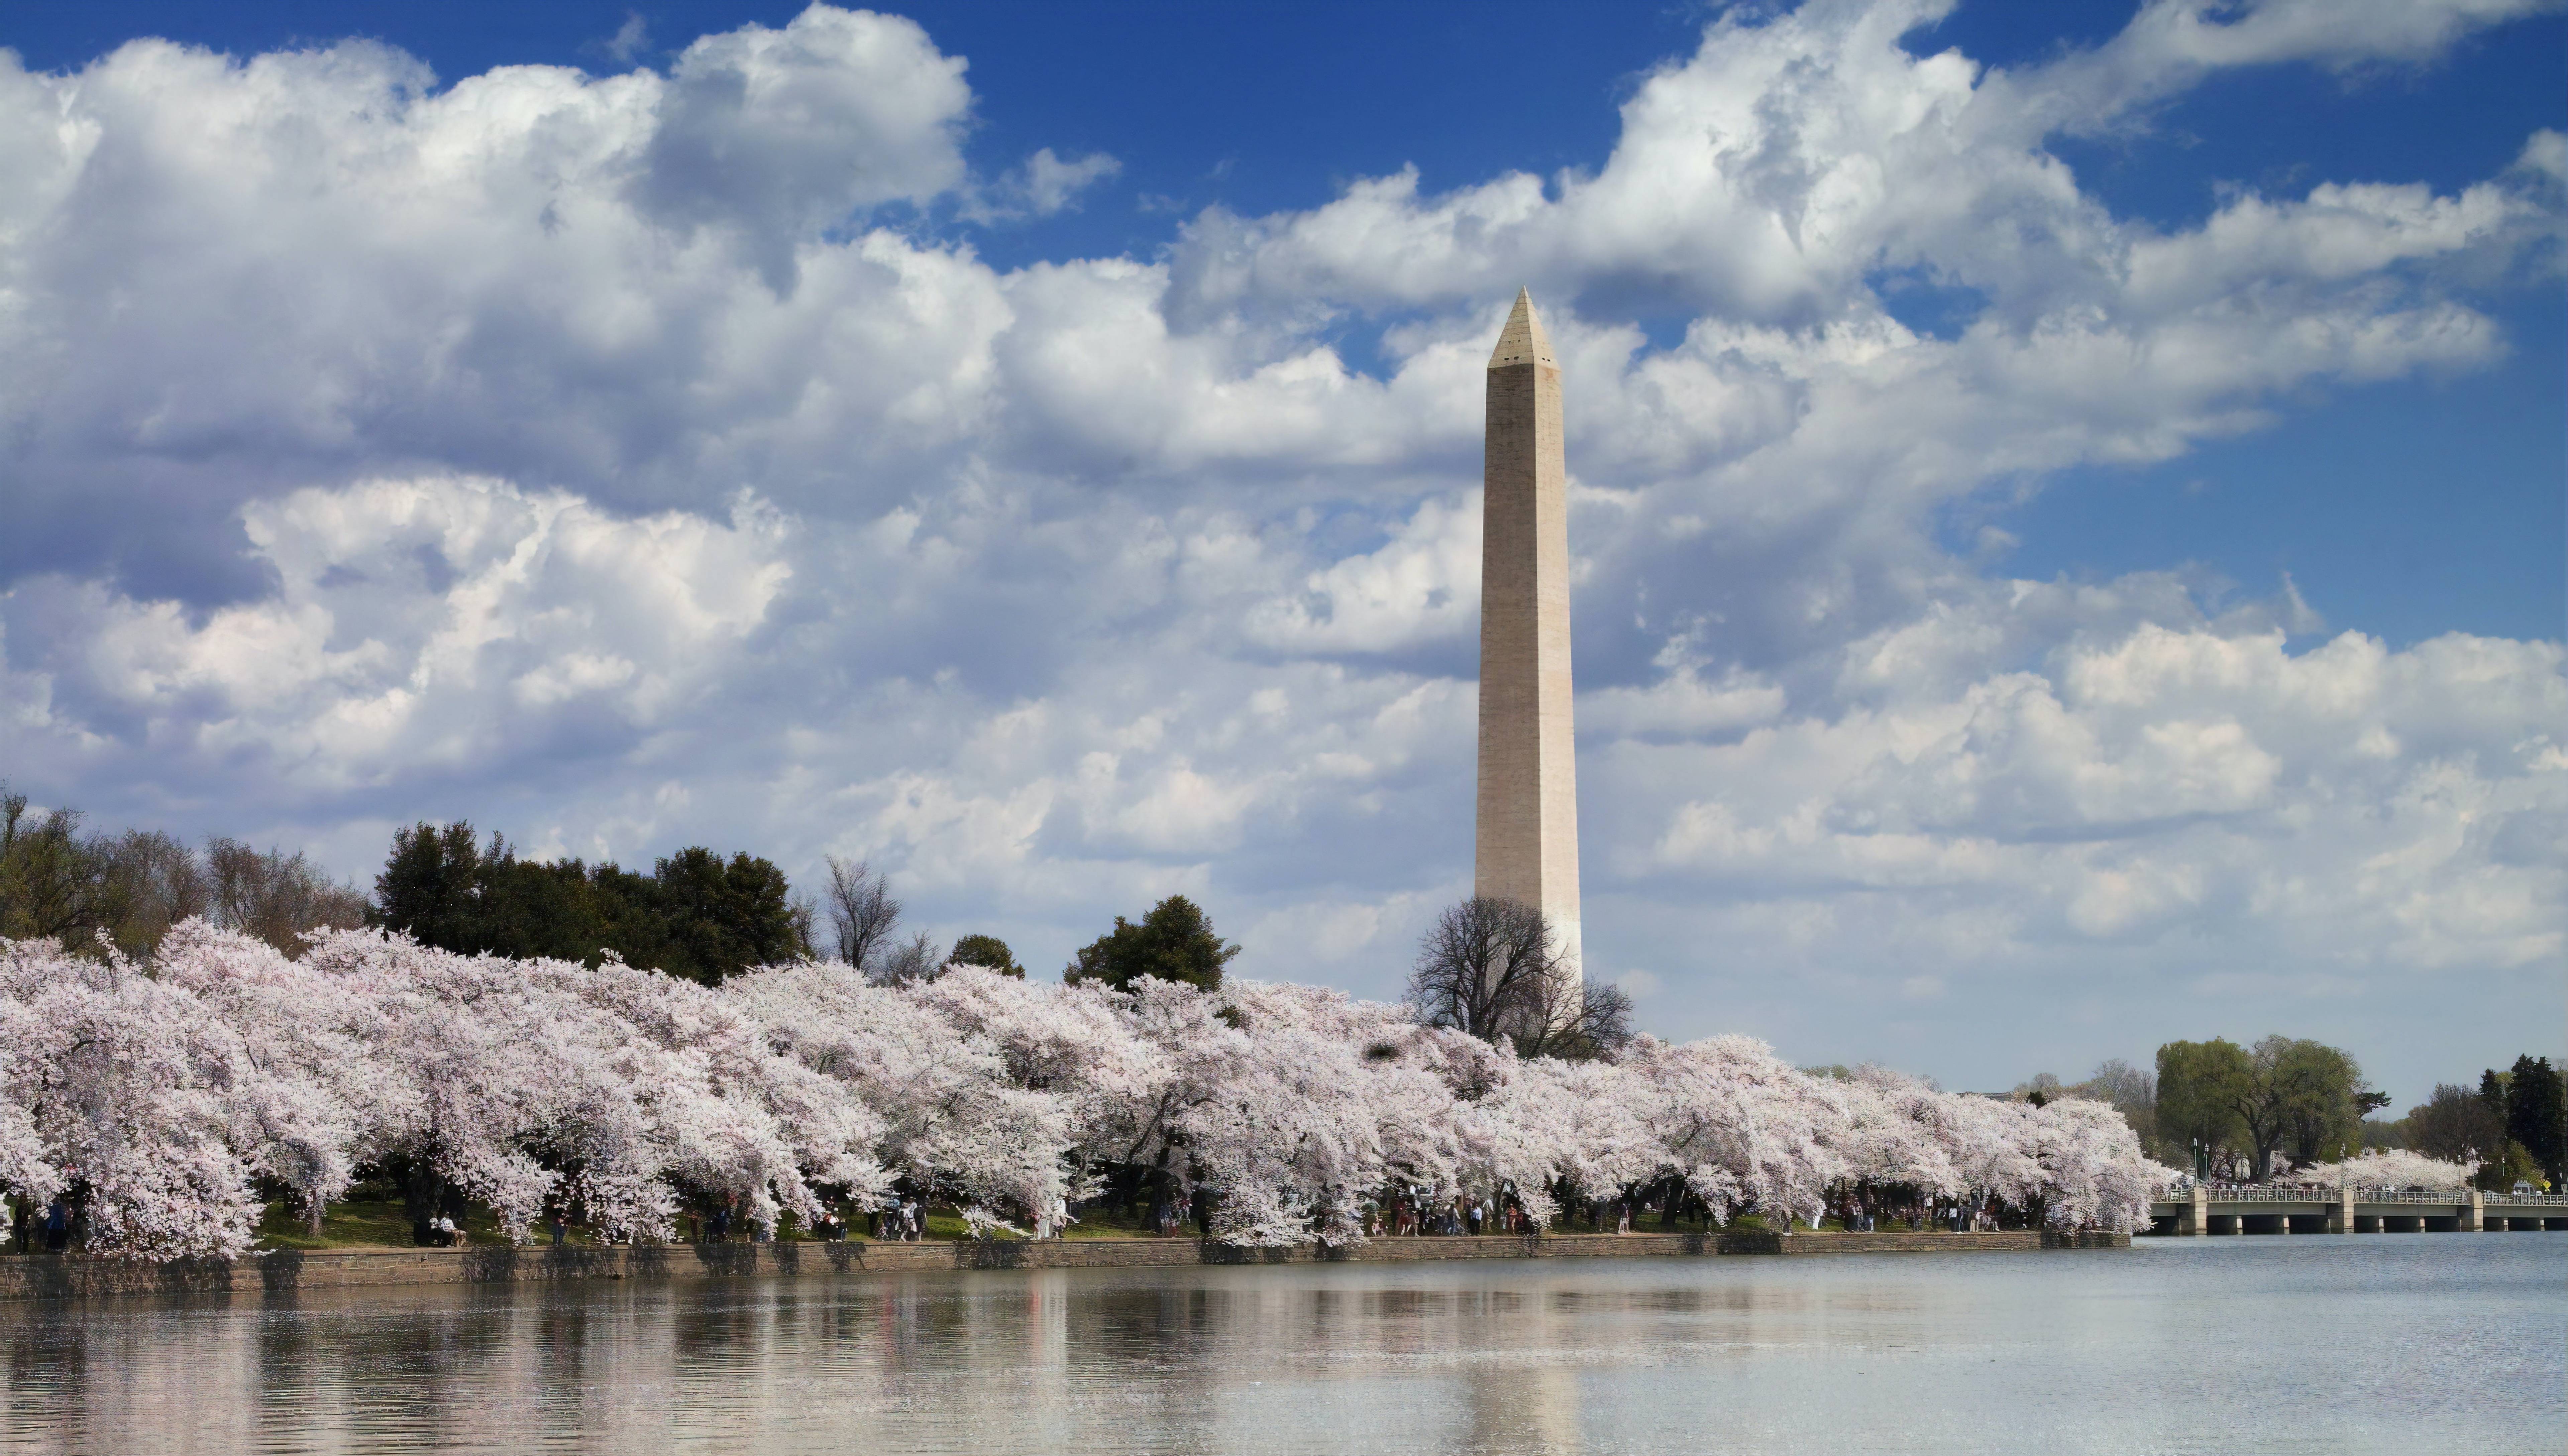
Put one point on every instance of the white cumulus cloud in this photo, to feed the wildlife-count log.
(631, 460)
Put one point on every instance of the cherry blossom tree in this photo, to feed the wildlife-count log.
(170, 1101)
(2388, 1168)
(132, 1094)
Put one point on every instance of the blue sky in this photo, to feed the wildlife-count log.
(2033, 500)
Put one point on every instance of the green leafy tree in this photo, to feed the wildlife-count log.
(987, 950)
(1174, 942)
(2320, 1093)
(2263, 1101)
(2281, 1095)
(2196, 1104)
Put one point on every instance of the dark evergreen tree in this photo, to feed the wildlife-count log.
(430, 887)
(986, 949)
(541, 907)
(632, 921)
(727, 917)
(1174, 942)
(2535, 1109)
(698, 916)
(2492, 1092)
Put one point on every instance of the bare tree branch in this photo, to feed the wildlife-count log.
(1492, 967)
(275, 896)
(1476, 963)
(915, 960)
(861, 912)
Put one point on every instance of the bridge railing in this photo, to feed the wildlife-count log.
(2446, 1197)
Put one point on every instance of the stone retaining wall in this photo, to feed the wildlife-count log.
(61, 1276)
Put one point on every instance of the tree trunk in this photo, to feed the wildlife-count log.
(422, 1192)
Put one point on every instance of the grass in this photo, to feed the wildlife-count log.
(1100, 1222)
(361, 1224)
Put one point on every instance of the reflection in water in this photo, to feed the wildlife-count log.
(1533, 1409)
(2174, 1348)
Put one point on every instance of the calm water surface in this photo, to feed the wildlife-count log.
(2375, 1342)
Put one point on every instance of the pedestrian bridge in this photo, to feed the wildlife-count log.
(2356, 1210)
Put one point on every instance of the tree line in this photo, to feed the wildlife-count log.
(2226, 1110)
(89, 890)
(698, 914)
(1492, 967)
(1488, 968)
(2515, 1122)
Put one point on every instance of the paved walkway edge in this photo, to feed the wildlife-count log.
(68, 1276)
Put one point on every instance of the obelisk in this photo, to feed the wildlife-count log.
(1527, 841)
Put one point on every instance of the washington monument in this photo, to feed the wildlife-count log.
(1528, 843)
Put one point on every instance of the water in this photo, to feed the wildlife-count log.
(2343, 1345)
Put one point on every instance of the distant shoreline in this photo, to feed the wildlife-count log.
(78, 1276)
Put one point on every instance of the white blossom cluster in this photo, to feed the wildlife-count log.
(2388, 1168)
(177, 1096)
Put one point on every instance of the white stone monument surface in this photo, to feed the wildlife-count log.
(1528, 834)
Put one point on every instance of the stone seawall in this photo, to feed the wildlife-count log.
(65, 1276)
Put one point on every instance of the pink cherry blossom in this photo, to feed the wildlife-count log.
(170, 1100)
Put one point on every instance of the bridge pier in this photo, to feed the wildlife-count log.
(2476, 1221)
(2340, 1214)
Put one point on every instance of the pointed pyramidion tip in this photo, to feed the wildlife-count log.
(1522, 341)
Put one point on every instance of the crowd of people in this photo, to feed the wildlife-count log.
(1411, 1212)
